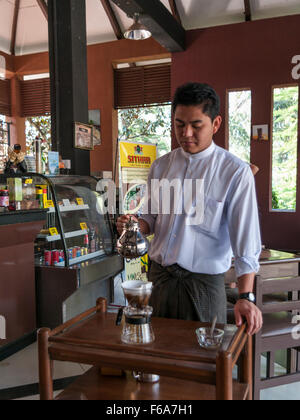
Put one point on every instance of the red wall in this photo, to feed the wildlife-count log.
(255, 55)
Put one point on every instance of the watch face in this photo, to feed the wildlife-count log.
(252, 297)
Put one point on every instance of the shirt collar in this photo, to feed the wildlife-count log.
(200, 155)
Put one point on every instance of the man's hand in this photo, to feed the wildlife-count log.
(246, 309)
(122, 220)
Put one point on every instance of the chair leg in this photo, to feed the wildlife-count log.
(270, 364)
(256, 368)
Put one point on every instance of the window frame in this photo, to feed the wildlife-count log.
(273, 87)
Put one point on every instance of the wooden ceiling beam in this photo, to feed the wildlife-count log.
(112, 18)
(158, 20)
(248, 15)
(14, 28)
(174, 9)
(43, 7)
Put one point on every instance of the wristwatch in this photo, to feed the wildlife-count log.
(248, 296)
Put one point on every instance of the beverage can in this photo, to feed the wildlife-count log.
(47, 257)
(61, 256)
(74, 252)
(78, 251)
(55, 256)
(70, 253)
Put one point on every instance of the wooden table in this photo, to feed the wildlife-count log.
(93, 338)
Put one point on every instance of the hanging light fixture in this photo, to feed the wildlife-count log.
(137, 31)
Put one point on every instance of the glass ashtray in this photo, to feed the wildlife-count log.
(207, 341)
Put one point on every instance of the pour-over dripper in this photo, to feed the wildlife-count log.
(137, 293)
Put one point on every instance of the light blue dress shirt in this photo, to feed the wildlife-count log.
(229, 226)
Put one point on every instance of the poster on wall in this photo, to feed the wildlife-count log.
(136, 160)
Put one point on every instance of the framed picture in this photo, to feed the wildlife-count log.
(260, 132)
(83, 138)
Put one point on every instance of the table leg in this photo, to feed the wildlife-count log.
(224, 377)
(246, 367)
(45, 365)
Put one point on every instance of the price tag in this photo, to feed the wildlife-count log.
(49, 203)
(80, 201)
(66, 203)
(28, 181)
(83, 226)
(53, 231)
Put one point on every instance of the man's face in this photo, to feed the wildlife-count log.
(194, 130)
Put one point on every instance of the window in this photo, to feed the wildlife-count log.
(4, 141)
(147, 125)
(284, 147)
(41, 127)
(239, 123)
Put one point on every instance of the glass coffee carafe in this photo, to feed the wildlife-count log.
(137, 328)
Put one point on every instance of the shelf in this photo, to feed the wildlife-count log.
(73, 207)
(81, 259)
(93, 386)
(68, 235)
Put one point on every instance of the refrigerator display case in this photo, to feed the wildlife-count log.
(75, 253)
(75, 257)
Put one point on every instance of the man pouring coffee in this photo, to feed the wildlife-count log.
(190, 255)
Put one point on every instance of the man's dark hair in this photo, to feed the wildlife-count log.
(198, 94)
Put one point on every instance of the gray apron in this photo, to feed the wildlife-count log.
(180, 294)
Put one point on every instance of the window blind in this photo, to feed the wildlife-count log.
(35, 97)
(5, 104)
(142, 86)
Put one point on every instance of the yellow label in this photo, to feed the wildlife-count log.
(28, 181)
(49, 203)
(83, 226)
(80, 201)
(53, 231)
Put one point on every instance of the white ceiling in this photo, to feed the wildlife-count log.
(32, 32)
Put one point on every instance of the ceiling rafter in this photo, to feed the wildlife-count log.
(14, 28)
(112, 18)
(158, 20)
(174, 9)
(43, 7)
(248, 15)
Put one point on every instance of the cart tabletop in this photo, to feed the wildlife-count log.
(174, 339)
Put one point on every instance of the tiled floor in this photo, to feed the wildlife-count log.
(20, 371)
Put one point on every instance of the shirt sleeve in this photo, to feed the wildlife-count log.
(147, 213)
(243, 223)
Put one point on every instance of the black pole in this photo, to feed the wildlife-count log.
(68, 78)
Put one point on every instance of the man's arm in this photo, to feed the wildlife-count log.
(243, 224)
(246, 309)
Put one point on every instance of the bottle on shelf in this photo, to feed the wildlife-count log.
(92, 240)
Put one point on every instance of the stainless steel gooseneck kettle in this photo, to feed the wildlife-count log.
(132, 244)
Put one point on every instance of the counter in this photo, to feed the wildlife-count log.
(18, 231)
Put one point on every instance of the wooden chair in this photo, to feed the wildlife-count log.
(277, 332)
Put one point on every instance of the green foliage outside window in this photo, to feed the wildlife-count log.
(147, 125)
(240, 123)
(284, 147)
